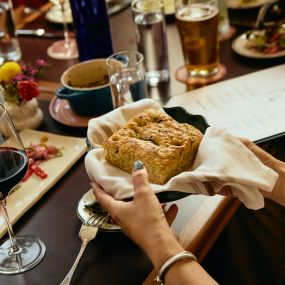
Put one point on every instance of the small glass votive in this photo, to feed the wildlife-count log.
(151, 39)
(127, 77)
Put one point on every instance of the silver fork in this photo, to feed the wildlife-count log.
(259, 20)
(87, 233)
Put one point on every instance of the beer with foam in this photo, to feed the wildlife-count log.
(197, 24)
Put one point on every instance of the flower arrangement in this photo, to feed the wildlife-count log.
(19, 82)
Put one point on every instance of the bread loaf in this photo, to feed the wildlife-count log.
(165, 146)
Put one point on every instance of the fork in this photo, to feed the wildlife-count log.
(259, 20)
(87, 233)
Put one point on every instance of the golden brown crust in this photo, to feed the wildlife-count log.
(164, 146)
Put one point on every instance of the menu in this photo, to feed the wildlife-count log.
(251, 106)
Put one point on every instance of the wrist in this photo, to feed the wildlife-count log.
(162, 247)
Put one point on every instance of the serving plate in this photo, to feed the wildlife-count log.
(84, 213)
(241, 4)
(239, 46)
(61, 111)
(30, 191)
(54, 15)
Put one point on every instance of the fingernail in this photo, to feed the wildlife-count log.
(138, 165)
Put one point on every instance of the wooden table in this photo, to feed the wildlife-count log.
(112, 258)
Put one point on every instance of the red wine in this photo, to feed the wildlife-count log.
(13, 167)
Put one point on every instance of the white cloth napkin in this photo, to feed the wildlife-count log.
(222, 160)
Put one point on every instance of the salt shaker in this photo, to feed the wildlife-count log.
(151, 38)
(92, 29)
(9, 45)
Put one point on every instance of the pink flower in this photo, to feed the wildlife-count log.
(41, 63)
(27, 90)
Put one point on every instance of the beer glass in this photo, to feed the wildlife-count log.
(197, 22)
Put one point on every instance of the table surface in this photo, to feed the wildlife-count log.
(112, 258)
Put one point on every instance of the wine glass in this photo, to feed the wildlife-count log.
(21, 253)
(66, 48)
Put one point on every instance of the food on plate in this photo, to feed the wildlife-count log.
(267, 41)
(100, 82)
(37, 153)
(165, 146)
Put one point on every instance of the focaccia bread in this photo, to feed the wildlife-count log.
(165, 146)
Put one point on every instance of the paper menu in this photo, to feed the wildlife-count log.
(251, 106)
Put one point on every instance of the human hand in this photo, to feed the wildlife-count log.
(278, 193)
(143, 219)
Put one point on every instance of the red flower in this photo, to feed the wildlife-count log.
(27, 90)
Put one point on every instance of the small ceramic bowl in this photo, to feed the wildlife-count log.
(86, 87)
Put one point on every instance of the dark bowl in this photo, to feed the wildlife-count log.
(182, 116)
(88, 103)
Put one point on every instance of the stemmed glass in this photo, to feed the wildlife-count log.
(66, 48)
(21, 253)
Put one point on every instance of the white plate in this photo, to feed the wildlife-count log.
(241, 4)
(34, 188)
(54, 15)
(239, 46)
(84, 214)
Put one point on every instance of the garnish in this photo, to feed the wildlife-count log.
(38, 153)
(268, 41)
(97, 209)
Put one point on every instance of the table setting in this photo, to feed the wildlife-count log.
(57, 207)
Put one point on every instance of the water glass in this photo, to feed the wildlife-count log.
(151, 39)
(127, 77)
(9, 45)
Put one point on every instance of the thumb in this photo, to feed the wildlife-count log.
(140, 178)
(171, 214)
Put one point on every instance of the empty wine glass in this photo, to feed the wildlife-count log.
(66, 48)
(21, 253)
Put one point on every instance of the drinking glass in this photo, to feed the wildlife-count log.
(66, 48)
(9, 44)
(21, 253)
(197, 22)
(151, 39)
(127, 77)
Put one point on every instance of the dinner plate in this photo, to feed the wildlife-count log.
(115, 6)
(60, 111)
(30, 191)
(239, 46)
(54, 15)
(242, 4)
(85, 213)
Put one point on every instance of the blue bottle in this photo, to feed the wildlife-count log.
(92, 29)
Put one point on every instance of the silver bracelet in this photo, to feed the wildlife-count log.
(168, 263)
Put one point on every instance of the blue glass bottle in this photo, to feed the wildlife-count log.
(92, 29)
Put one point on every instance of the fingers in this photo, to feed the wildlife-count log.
(264, 156)
(226, 191)
(105, 200)
(171, 214)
